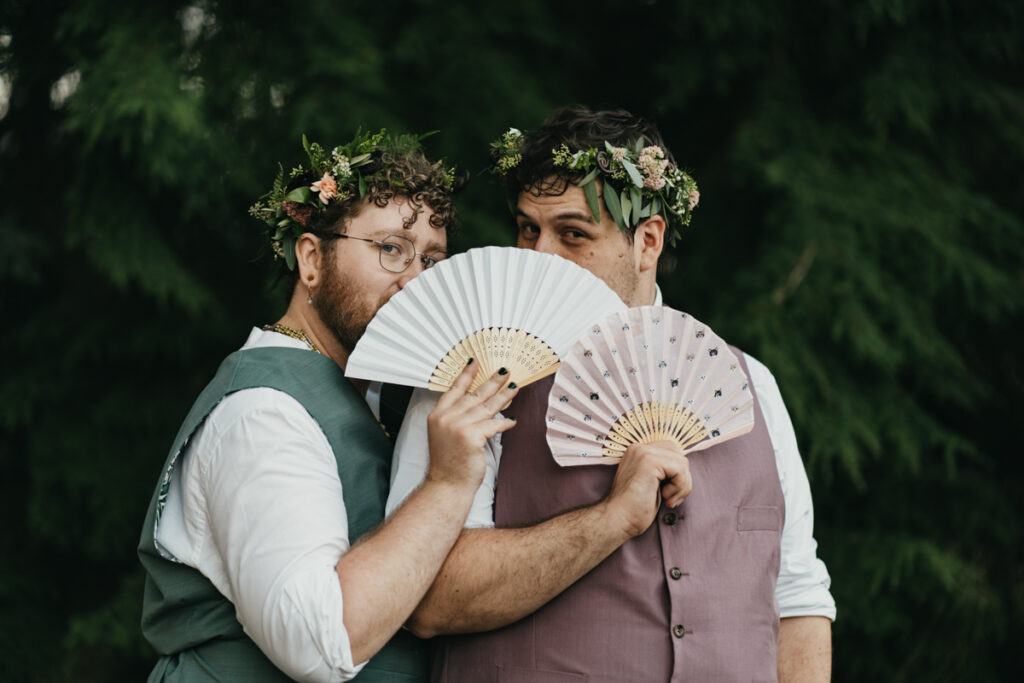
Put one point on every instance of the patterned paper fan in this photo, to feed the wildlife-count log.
(643, 375)
(502, 306)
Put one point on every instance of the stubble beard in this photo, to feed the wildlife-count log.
(343, 308)
(623, 279)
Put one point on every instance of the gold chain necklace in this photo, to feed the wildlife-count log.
(294, 334)
(302, 336)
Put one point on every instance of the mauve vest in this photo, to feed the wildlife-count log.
(691, 599)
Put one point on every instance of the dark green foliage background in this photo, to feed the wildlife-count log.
(860, 231)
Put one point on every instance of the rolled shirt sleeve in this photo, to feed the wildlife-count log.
(266, 523)
(803, 584)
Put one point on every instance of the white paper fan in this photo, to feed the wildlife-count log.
(502, 306)
(643, 375)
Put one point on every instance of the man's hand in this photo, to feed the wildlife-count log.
(460, 425)
(386, 573)
(646, 473)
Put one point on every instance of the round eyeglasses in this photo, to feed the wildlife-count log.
(396, 253)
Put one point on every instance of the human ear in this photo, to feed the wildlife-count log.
(308, 259)
(648, 242)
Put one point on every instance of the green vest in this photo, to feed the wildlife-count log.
(189, 623)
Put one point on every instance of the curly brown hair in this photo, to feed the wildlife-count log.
(410, 176)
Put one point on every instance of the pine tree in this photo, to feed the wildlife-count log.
(860, 231)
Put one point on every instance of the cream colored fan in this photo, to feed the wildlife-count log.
(643, 375)
(502, 306)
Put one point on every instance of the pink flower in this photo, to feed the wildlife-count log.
(326, 187)
(652, 152)
(653, 166)
(654, 182)
(693, 196)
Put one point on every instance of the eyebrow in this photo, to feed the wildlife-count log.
(575, 214)
(430, 247)
(433, 246)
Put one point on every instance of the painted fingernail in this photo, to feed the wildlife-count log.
(502, 371)
(512, 385)
(513, 419)
(469, 362)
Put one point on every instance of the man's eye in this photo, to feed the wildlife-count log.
(575, 234)
(431, 260)
(529, 230)
(389, 248)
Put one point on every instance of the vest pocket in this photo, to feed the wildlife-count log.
(758, 518)
(516, 674)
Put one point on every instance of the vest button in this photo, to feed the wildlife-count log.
(678, 631)
(669, 518)
(675, 572)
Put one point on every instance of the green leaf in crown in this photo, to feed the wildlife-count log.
(639, 180)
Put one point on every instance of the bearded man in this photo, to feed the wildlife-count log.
(725, 584)
(265, 555)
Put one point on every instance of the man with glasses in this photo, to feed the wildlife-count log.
(265, 554)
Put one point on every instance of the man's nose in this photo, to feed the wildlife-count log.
(414, 269)
(546, 243)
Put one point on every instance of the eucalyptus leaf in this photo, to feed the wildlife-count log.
(611, 200)
(299, 194)
(362, 186)
(645, 212)
(655, 206)
(589, 178)
(608, 146)
(634, 174)
(358, 160)
(627, 207)
(590, 190)
(637, 200)
(638, 146)
(288, 245)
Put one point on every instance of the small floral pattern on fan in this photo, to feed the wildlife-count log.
(643, 375)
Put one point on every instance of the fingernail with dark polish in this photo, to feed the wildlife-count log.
(512, 385)
(469, 362)
(502, 371)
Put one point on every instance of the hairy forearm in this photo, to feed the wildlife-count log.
(494, 577)
(805, 650)
(385, 575)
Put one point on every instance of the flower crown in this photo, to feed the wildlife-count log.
(331, 177)
(639, 182)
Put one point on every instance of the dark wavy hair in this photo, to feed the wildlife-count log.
(578, 127)
(411, 176)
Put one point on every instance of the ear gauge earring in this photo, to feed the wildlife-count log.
(309, 290)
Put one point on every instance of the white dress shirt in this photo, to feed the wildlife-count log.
(803, 583)
(256, 505)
